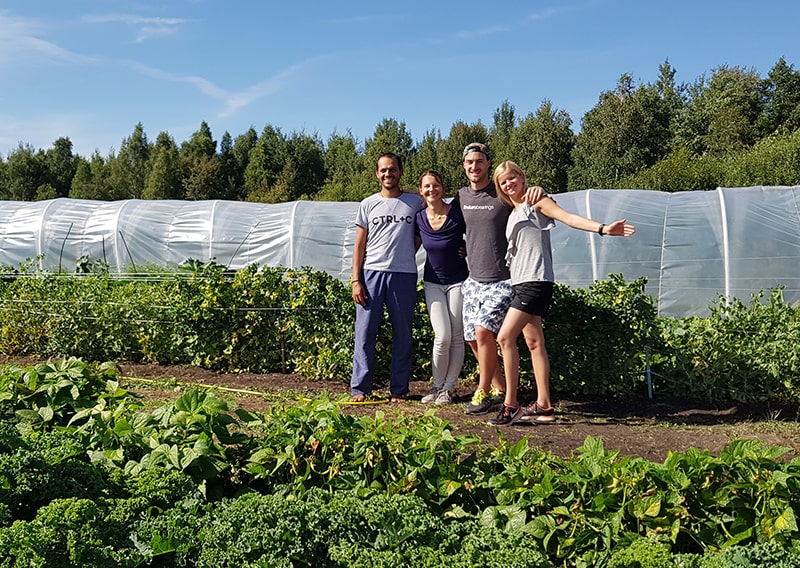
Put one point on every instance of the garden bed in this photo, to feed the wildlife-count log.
(635, 425)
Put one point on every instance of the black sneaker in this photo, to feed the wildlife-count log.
(483, 403)
(507, 416)
(535, 413)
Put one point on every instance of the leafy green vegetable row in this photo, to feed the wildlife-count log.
(188, 479)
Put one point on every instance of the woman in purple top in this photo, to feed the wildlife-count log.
(441, 229)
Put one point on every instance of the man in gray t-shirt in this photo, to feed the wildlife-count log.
(384, 274)
(487, 291)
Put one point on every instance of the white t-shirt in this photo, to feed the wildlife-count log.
(389, 222)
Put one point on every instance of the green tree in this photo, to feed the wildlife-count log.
(266, 162)
(234, 163)
(389, 136)
(774, 160)
(26, 171)
(164, 179)
(230, 175)
(347, 174)
(129, 167)
(672, 93)
(91, 179)
(426, 157)
(3, 177)
(542, 145)
(628, 129)
(504, 123)
(304, 171)
(46, 191)
(61, 166)
(722, 114)
(679, 171)
(201, 166)
(781, 93)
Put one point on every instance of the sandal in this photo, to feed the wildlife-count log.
(358, 398)
(398, 398)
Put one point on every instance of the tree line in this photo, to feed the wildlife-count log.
(729, 128)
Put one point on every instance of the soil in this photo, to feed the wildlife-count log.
(635, 426)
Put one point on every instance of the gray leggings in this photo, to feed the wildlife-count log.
(444, 303)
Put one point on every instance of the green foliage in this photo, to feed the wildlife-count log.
(28, 481)
(314, 445)
(67, 532)
(767, 555)
(600, 340)
(597, 338)
(744, 352)
(49, 394)
(542, 146)
(774, 160)
(679, 171)
(287, 320)
(310, 485)
(626, 131)
(332, 530)
(643, 553)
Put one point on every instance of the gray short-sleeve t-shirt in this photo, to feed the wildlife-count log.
(389, 222)
(486, 216)
(530, 258)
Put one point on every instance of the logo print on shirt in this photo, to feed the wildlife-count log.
(387, 219)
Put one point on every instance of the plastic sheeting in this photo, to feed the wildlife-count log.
(692, 247)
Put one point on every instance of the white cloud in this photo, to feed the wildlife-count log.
(147, 28)
(22, 44)
(232, 101)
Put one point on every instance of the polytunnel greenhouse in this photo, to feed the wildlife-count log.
(692, 247)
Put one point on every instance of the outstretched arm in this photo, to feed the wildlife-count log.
(619, 228)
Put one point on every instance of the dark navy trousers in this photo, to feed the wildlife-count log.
(398, 292)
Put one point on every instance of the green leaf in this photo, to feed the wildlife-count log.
(46, 413)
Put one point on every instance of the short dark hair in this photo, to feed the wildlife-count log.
(393, 156)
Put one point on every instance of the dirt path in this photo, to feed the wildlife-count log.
(634, 426)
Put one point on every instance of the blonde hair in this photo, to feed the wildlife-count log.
(505, 168)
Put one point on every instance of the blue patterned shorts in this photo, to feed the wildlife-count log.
(485, 305)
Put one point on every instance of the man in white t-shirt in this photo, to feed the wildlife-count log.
(385, 274)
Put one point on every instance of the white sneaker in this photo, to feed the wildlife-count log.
(444, 397)
(430, 397)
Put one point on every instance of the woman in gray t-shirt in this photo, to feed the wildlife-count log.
(531, 264)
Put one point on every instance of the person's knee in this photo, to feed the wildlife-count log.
(442, 337)
(484, 336)
(506, 342)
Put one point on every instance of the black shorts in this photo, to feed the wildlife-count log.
(532, 297)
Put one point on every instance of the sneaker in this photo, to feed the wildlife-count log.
(535, 413)
(444, 397)
(477, 404)
(430, 397)
(498, 397)
(507, 416)
(483, 403)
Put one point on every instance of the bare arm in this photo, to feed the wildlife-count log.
(359, 253)
(618, 228)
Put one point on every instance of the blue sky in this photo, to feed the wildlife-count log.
(92, 70)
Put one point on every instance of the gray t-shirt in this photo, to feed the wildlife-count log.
(529, 256)
(389, 222)
(485, 215)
